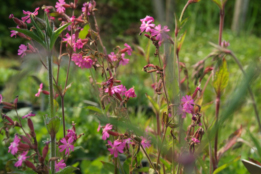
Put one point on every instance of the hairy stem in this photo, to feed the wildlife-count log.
(183, 10)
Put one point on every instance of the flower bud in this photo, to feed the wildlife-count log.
(23, 147)
(45, 151)
(25, 139)
(113, 133)
(30, 165)
(7, 118)
(45, 92)
(20, 23)
(15, 101)
(31, 126)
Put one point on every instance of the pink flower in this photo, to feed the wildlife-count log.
(71, 133)
(115, 148)
(60, 165)
(105, 133)
(21, 158)
(39, 90)
(82, 62)
(22, 49)
(187, 104)
(181, 112)
(99, 127)
(147, 27)
(78, 44)
(160, 33)
(29, 115)
(70, 40)
(28, 13)
(128, 49)
(123, 61)
(88, 6)
(145, 143)
(120, 89)
(195, 140)
(66, 145)
(1, 98)
(14, 33)
(127, 141)
(130, 93)
(14, 145)
(147, 18)
(112, 57)
(59, 6)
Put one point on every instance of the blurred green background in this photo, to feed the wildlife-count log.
(119, 22)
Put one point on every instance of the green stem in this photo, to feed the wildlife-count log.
(50, 75)
(182, 13)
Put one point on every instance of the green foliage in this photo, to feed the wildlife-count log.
(83, 33)
(221, 79)
(67, 170)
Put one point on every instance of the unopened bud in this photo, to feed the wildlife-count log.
(25, 139)
(23, 147)
(8, 119)
(20, 23)
(45, 151)
(30, 165)
(31, 126)
(113, 133)
(45, 92)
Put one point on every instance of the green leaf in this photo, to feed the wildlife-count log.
(53, 125)
(38, 29)
(56, 105)
(67, 170)
(49, 30)
(83, 33)
(139, 158)
(56, 34)
(143, 169)
(93, 108)
(154, 104)
(181, 40)
(221, 79)
(256, 142)
(226, 165)
(108, 166)
(31, 35)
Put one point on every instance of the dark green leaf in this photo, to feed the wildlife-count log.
(31, 35)
(38, 29)
(56, 34)
(49, 30)
(67, 170)
(154, 104)
(83, 33)
(108, 166)
(93, 108)
(143, 169)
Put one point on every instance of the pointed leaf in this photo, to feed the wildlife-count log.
(38, 29)
(67, 170)
(53, 125)
(108, 166)
(220, 3)
(256, 142)
(31, 35)
(221, 80)
(49, 30)
(93, 108)
(56, 34)
(83, 33)
(181, 40)
(154, 103)
(226, 165)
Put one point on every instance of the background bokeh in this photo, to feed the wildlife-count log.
(119, 22)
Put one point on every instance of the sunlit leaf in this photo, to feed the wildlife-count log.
(221, 79)
(93, 108)
(220, 3)
(181, 40)
(67, 170)
(83, 33)
(108, 166)
(226, 165)
(154, 104)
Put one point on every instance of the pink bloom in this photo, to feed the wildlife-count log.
(82, 62)
(105, 133)
(1, 98)
(59, 6)
(187, 103)
(120, 89)
(160, 33)
(71, 133)
(123, 61)
(115, 148)
(145, 143)
(60, 165)
(28, 115)
(14, 145)
(147, 27)
(67, 145)
(112, 57)
(130, 93)
(22, 49)
(147, 18)
(79, 44)
(127, 141)
(128, 49)
(13, 33)
(86, 5)
(70, 40)
(28, 13)
(181, 112)
(195, 140)
(39, 90)
(21, 158)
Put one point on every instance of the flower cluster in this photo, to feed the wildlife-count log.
(159, 33)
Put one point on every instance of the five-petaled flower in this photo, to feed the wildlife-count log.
(147, 26)
(82, 62)
(59, 6)
(67, 146)
(112, 57)
(22, 49)
(14, 145)
(28, 115)
(123, 61)
(39, 90)
(28, 13)
(130, 93)
(21, 158)
(59, 165)
(104, 131)
(120, 89)
(145, 142)
(116, 147)
(160, 33)
(147, 18)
